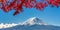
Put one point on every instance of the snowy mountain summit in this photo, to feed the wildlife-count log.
(34, 20)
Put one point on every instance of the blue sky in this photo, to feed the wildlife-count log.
(50, 15)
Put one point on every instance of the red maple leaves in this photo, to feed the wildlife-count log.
(54, 2)
(40, 5)
(19, 4)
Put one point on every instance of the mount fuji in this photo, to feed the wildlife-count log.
(33, 24)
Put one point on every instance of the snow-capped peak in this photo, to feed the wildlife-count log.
(34, 20)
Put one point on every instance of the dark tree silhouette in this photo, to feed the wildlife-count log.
(18, 5)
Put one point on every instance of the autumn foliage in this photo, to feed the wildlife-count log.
(18, 5)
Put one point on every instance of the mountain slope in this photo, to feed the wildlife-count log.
(33, 27)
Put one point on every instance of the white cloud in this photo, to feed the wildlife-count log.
(2, 25)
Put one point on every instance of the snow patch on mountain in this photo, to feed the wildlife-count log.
(2, 25)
